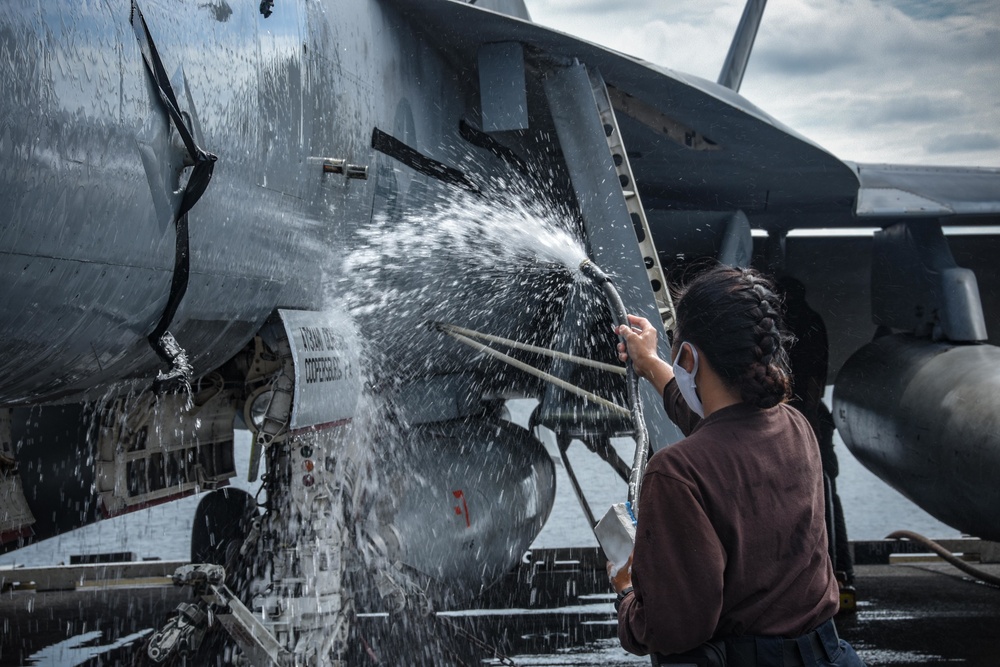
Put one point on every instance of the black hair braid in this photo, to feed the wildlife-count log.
(767, 380)
(734, 317)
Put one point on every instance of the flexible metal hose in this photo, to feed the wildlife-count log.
(617, 306)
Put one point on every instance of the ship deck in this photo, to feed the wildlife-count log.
(556, 609)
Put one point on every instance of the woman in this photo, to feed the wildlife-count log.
(731, 542)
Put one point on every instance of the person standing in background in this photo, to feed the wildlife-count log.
(808, 358)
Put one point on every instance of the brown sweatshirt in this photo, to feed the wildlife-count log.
(731, 538)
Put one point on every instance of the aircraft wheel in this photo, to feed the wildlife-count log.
(222, 522)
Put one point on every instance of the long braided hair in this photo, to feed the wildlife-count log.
(734, 317)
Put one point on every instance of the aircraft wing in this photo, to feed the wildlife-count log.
(697, 146)
(968, 195)
(745, 159)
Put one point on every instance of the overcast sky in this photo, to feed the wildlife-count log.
(899, 81)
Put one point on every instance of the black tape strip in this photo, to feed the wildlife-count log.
(201, 175)
(477, 137)
(396, 149)
(154, 65)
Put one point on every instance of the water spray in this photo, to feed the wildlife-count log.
(601, 279)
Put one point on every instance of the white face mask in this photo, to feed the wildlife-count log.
(685, 381)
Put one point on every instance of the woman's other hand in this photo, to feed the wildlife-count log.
(620, 579)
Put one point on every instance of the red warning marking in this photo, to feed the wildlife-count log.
(464, 509)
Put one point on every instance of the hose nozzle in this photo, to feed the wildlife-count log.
(594, 272)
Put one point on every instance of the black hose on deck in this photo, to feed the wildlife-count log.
(985, 577)
(617, 306)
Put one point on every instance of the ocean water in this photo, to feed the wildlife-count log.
(872, 509)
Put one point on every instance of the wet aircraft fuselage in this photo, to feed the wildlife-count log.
(93, 172)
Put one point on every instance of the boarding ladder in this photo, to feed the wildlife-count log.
(657, 281)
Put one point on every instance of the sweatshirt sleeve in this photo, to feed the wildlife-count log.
(677, 572)
(677, 408)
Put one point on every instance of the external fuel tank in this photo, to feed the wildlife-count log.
(465, 498)
(925, 417)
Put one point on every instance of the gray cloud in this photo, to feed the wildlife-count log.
(871, 80)
(939, 9)
(960, 143)
(851, 33)
(919, 108)
(802, 62)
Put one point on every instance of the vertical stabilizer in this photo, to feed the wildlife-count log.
(731, 75)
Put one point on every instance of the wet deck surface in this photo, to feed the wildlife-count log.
(926, 614)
